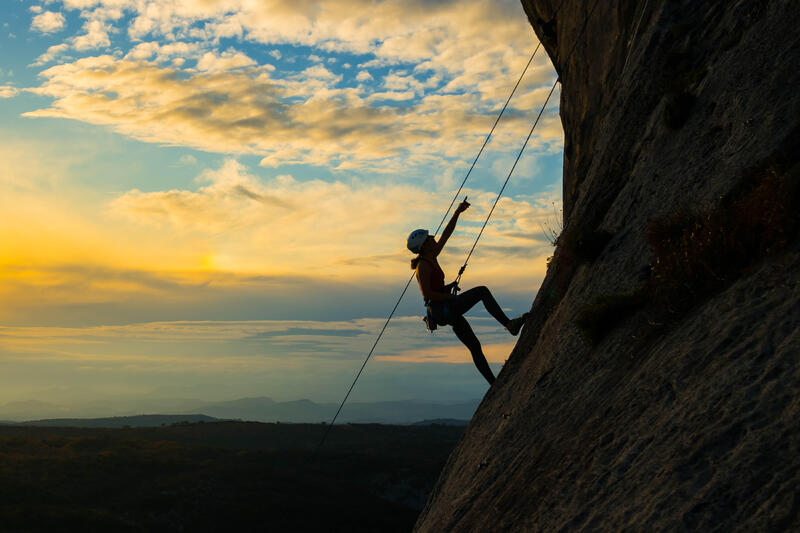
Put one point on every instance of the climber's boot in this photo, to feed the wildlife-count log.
(515, 324)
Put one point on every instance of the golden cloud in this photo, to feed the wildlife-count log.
(229, 104)
(48, 22)
(178, 341)
(247, 111)
(62, 245)
(8, 91)
(495, 353)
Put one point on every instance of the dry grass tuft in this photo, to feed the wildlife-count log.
(698, 251)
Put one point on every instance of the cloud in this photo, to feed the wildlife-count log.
(143, 51)
(52, 53)
(191, 331)
(232, 199)
(48, 22)
(109, 13)
(228, 103)
(322, 213)
(455, 74)
(304, 119)
(319, 72)
(228, 27)
(237, 245)
(400, 82)
(308, 226)
(217, 111)
(165, 52)
(241, 241)
(317, 340)
(454, 37)
(229, 60)
(391, 95)
(96, 36)
(85, 4)
(495, 353)
(8, 91)
(218, 360)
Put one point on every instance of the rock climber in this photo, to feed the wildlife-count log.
(444, 307)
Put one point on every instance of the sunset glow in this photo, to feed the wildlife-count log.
(182, 180)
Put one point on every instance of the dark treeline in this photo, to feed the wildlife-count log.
(221, 476)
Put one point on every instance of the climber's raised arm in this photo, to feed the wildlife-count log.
(448, 230)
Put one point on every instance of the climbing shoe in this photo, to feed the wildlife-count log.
(515, 324)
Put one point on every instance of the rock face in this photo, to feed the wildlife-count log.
(681, 409)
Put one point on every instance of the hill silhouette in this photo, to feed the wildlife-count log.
(387, 412)
(259, 409)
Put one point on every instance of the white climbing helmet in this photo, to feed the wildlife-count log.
(416, 239)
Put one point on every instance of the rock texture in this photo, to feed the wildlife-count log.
(686, 424)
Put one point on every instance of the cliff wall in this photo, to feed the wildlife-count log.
(656, 385)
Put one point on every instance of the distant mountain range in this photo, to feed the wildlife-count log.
(144, 421)
(30, 409)
(397, 412)
(260, 409)
(119, 421)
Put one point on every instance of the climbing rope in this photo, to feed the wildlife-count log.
(486, 141)
(503, 188)
(521, 150)
(408, 283)
(461, 270)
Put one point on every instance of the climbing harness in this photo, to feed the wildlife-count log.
(439, 314)
(430, 322)
(464, 266)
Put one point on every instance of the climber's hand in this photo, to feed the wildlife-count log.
(452, 288)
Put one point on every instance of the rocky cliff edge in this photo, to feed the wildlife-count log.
(655, 388)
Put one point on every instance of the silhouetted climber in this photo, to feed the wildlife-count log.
(444, 307)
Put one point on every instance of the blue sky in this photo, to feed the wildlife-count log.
(252, 166)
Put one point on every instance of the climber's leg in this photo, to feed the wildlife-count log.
(464, 302)
(465, 334)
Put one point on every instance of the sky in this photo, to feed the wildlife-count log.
(210, 198)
